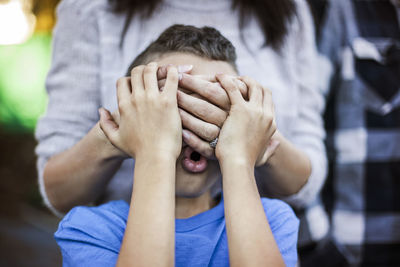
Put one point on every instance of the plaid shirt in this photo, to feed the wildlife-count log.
(359, 42)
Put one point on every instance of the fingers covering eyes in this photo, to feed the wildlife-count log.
(202, 109)
(123, 89)
(137, 79)
(171, 83)
(150, 78)
(255, 91)
(206, 131)
(211, 91)
(198, 144)
(231, 87)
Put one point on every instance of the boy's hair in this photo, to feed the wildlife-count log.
(204, 42)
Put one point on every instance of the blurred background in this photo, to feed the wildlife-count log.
(26, 226)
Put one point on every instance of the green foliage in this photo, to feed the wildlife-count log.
(23, 70)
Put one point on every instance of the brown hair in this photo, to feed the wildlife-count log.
(204, 42)
(273, 15)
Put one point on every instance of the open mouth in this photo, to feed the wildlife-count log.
(193, 161)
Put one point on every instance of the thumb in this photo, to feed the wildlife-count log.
(108, 125)
(271, 148)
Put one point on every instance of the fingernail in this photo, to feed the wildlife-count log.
(185, 68)
(180, 76)
(185, 134)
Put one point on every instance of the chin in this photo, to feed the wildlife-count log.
(193, 185)
(190, 192)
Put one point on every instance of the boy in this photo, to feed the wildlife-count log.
(174, 218)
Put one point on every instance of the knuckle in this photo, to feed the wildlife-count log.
(257, 112)
(219, 117)
(241, 84)
(267, 91)
(260, 112)
(269, 120)
(273, 126)
(123, 104)
(203, 148)
(152, 64)
(250, 81)
(172, 73)
(131, 102)
(150, 68)
(201, 112)
(151, 97)
(224, 115)
(167, 101)
(209, 132)
(137, 70)
(209, 89)
(245, 78)
(120, 82)
(164, 99)
(147, 70)
(213, 132)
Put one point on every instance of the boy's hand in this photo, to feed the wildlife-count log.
(246, 133)
(149, 118)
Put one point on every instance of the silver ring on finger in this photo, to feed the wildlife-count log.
(214, 143)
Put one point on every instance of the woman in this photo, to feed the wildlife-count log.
(93, 45)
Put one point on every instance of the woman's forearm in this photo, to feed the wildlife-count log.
(285, 172)
(80, 174)
(250, 239)
(149, 238)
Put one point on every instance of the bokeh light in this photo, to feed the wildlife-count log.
(16, 21)
(24, 62)
(22, 78)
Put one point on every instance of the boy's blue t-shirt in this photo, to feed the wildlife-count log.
(92, 236)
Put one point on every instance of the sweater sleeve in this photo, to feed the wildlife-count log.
(308, 131)
(72, 83)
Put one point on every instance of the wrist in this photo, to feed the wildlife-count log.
(236, 175)
(155, 155)
(236, 162)
(159, 164)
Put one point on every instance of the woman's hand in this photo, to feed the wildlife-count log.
(114, 118)
(149, 118)
(246, 133)
(204, 107)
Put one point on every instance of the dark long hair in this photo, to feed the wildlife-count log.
(274, 16)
